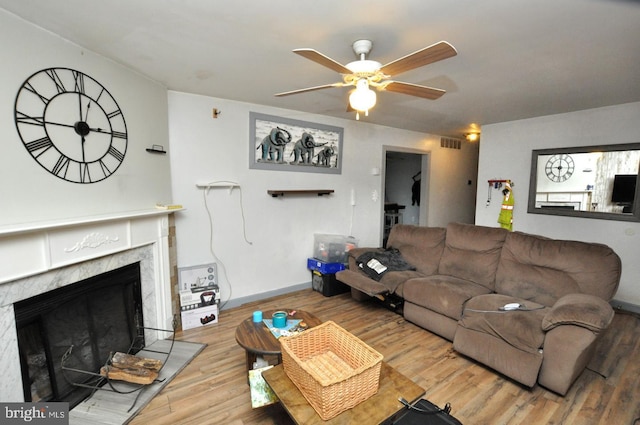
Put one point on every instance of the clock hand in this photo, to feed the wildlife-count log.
(97, 129)
(87, 115)
(80, 104)
(27, 119)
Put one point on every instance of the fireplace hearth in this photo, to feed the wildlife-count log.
(97, 316)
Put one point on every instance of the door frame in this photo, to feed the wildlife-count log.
(425, 170)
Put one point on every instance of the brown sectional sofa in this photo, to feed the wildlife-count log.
(464, 275)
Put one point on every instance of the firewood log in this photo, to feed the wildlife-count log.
(125, 361)
(133, 375)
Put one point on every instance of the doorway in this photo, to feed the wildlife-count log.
(405, 178)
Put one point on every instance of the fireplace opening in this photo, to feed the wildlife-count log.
(97, 316)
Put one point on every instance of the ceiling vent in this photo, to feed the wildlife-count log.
(450, 143)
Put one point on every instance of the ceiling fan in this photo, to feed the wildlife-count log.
(365, 73)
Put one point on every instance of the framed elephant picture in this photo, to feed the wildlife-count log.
(285, 144)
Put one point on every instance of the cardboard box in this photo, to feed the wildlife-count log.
(199, 317)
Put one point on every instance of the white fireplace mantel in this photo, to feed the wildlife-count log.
(32, 248)
(21, 228)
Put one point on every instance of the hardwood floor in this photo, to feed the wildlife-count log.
(213, 388)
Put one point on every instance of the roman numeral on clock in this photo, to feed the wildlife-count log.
(116, 154)
(61, 167)
(43, 144)
(28, 87)
(85, 175)
(22, 118)
(104, 168)
(56, 80)
(79, 79)
(114, 113)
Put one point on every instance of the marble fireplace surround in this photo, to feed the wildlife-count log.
(35, 259)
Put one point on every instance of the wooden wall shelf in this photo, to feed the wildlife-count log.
(319, 192)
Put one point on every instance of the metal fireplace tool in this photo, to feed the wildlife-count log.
(100, 382)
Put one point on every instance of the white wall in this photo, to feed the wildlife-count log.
(505, 152)
(28, 192)
(204, 149)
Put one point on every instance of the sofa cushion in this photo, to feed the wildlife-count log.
(543, 270)
(443, 294)
(396, 281)
(472, 253)
(420, 246)
(520, 329)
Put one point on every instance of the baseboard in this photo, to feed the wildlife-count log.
(236, 302)
(621, 305)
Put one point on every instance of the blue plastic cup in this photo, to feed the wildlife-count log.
(280, 319)
(257, 316)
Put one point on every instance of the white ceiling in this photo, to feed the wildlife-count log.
(516, 58)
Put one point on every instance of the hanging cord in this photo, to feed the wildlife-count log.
(211, 250)
(244, 222)
(353, 210)
(502, 310)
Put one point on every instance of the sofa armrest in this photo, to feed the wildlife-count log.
(582, 310)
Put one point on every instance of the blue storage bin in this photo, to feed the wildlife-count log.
(323, 267)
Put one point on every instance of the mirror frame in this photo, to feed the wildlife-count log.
(533, 183)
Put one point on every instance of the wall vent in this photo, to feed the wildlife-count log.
(449, 143)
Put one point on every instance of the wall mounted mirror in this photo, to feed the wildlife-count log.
(589, 181)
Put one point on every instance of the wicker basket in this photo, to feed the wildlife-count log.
(333, 369)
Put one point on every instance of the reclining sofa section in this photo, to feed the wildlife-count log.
(462, 277)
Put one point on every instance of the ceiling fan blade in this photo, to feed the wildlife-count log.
(323, 60)
(414, 90)
(434, 53)
(326, 86)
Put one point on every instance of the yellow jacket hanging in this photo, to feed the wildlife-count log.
(506, 210)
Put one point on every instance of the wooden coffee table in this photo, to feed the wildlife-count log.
(375, 410)
(257, 340)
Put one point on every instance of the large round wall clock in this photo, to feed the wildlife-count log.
(559, 167)
(71, 125)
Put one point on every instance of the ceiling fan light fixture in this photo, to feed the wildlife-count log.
(362, 98)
